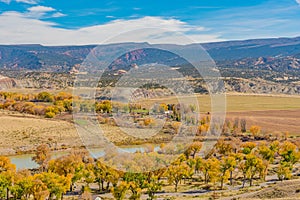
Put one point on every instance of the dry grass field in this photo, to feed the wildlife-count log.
(238, 102)
(22, 133)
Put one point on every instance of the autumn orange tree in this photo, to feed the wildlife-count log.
(255, 130)
(39, 189)
(193, 149)
(42, 156)
(69, 166)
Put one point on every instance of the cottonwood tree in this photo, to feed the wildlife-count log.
(223, 147)
(268, 155)
(247, 147)
(136, 183)
(227, 165)
(42, 156)
(22, 188)
(193, 149)
(211, 170)
(290, 155)
(119, 191)
(57, 185)
(7, 173)
(253, 165)
(255, 130)
(39, 188)
(153, 184)
(176, 172)
(69, 166)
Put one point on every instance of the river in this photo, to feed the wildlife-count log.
(24, 161)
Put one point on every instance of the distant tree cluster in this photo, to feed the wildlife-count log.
(43, 103)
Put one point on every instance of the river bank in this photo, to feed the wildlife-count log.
(24, 161)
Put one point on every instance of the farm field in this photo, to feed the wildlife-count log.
(240, 102)
(274, 113)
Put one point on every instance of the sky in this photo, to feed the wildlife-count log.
(80, 22)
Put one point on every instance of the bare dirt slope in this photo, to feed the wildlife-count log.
(283, 191)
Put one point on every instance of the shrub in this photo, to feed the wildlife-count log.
(50, 114)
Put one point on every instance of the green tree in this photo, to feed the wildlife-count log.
(247, 147)
(136, 183)
(284, 171)
(153, 185)
(289, 153)
(119, 191)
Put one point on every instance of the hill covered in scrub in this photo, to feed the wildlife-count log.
(250, 66)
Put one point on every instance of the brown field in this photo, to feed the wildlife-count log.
(22, 133)
(271, 120)
(274, 113)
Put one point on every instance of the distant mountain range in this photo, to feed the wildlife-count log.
(63, 58)
(250, 66)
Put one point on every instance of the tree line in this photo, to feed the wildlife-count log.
(229, 163)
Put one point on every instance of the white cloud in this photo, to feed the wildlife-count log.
(41, 9)
(58, 14)
(18, 28)
(20, 1)
(298, 1)
(110, 16)
(27, 1)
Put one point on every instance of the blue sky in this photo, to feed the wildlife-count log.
(64, 22)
